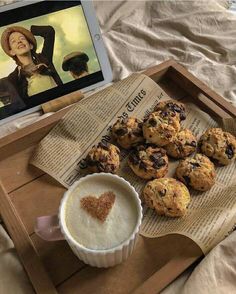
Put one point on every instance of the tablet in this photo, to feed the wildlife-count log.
(48, 49)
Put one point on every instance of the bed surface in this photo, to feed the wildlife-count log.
(201, 35)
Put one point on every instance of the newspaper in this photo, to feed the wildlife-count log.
(211, 215)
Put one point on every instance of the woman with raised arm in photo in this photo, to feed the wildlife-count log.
(35, 72)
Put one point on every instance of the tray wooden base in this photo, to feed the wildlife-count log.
(26, 193)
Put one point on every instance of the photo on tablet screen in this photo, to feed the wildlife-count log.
(45, 56)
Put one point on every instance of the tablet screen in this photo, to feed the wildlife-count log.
(46, 51)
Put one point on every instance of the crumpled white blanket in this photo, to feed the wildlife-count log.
(199, 34)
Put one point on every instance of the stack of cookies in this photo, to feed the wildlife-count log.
(155, 138)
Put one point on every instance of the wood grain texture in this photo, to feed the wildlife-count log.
(15, 170)
(164, 276)
(172, 89)
(157, 72)
(30, 135)
(24, 246)
(43, 196)
(154, 263)
(62, 102)
(58, 259)
(149, 256)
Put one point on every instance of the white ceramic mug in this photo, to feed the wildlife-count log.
(50, 228)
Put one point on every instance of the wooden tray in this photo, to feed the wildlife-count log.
(26, 193)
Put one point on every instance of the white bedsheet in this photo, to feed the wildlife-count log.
(201, 35)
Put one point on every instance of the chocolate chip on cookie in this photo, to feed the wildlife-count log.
(161, 127)
(128, 132)
(183, 144)
(229, 151)
(197, 172)
(121, 132)
(218, 145)
(103, 158)
(167, 196)
(148, 161)
(152, 122)
(173, 106)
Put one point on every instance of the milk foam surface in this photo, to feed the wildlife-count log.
(89, 231)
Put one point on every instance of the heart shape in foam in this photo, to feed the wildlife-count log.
(99, 207)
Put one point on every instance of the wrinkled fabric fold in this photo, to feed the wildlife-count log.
(201, 35)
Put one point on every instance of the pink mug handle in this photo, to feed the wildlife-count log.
(48, 229)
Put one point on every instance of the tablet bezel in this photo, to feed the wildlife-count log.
(97, 40)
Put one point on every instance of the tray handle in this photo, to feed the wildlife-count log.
(194, 85)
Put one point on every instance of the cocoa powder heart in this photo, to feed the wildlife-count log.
(98, 207)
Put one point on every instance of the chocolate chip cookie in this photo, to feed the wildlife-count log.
(183, 144)
(128, 132)
(103, 158)
(161, 127)
(218, 145)
(148, 161)
(198, 172)
(167, 196)
(174, 106)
